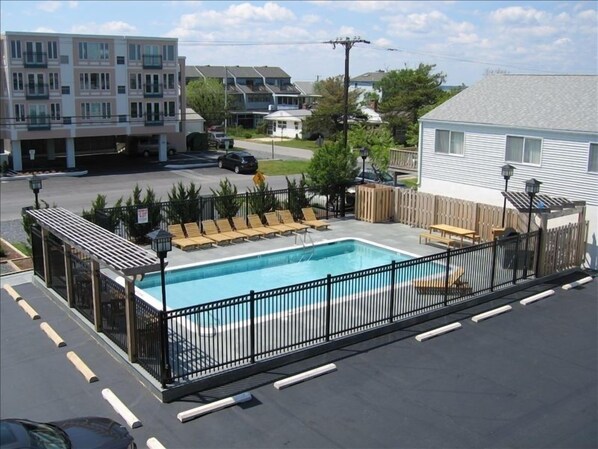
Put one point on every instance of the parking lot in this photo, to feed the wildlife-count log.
(527, 378)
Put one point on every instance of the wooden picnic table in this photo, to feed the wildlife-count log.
(454, 231)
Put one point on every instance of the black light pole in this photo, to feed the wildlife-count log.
(162, 244)
(532, 187)
(507, 172)
(35, 184)
(364, 155)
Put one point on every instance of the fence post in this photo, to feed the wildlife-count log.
(493, 274)
(246, 205)
(393, 267)
(446, 276)
(516, 259)
(540, 254)
(252, 325)
(328, 300)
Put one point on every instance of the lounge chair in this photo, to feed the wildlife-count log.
(438, 284)
(183, 242)
(225, 228)
(256, 223)
(286, 218)
(311, 220)
(193, 231)
(211, 231)
(273, 222)
(241, 226)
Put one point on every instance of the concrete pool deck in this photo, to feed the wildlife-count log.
(395, 235)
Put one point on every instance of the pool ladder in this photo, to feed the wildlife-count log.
(308, 254)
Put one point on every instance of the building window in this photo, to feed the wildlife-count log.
(66, 90)
(94, 81)
(135, 81)
(55, 111)
(525, 150)
(96, 110)
(134, 52)
(64, 59)
(19, 112)
(593, 158)
(168, 52)
(120, 60)
(38, 114)
(66, 120)
(94, 51)
(449, 142)
(17, 81)
(122, 89)
(169, 109)
(52, 50)
(136, 110)
(15, 49)
(54, 82)
(122, 118)
(169, 81)
(296, 126)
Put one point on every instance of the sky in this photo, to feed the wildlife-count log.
(464, 39)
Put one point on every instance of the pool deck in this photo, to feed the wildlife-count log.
(394, 235)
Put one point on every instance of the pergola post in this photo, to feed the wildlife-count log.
(68, 273)
(130, 317)
(46, 254)
(96, 295)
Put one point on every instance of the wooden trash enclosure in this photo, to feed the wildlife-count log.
(374, 203)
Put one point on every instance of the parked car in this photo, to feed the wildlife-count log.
(374, 176)
(239, 161)
(151, 145)
(218, 139)
(77, 433)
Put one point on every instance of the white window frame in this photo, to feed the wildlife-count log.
(168, 52)
(15, 49)
(18, 83)
(55, 111)
(52, 50)
(134, 52)
(19, 112)
(524, 149)
(94, 51)
(135, 81)
(54, 81)
(593, 151)
(450, 150)
(136, 109)
(38, 111)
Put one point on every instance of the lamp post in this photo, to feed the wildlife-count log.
(364, 155)
(35, 184)
(532, 187)
(507, 172)
(162, 244)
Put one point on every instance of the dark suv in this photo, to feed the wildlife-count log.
(239, 161)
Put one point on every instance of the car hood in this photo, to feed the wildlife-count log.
(95, 432)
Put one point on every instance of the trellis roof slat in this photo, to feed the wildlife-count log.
(541, 203)
(100, 244)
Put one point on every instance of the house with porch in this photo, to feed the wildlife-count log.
(544, 126)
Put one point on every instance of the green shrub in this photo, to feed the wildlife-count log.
(225, 199)
(138, 231)
(262, 199)
(185, 203)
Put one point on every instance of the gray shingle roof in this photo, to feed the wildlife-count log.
(369, 77)
(556, 102)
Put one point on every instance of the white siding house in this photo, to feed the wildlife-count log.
(287, 123)
(546, 126)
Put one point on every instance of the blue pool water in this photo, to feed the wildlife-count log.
(205, 283)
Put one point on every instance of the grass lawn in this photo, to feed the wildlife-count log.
(296, 143)
(279, 168)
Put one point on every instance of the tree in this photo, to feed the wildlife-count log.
(404, 92)
(332, 169)
(206, 97)
(327, 117)
(377, 140)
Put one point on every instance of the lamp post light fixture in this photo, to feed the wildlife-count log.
(364, 155)
(532, 187)
(162, 245)
(507, 172)
(35, 184)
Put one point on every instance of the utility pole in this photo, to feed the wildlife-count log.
(348, 43)
(225, 99)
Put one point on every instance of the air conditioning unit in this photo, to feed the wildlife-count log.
(272, 107)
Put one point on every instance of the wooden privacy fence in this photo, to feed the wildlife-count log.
(374, 203)
(421, 210)
(562, 248)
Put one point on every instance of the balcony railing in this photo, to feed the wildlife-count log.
(37, 92)
(152, 61)
(154, 90)
(35, 59)
(38, 123)
(404, 159)
(154, 119)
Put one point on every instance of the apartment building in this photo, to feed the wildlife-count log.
(64, 95)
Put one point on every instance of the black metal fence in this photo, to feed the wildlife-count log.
(114, 322)
(82, 296)
(123, 221)
(37, 251)
(240, 331)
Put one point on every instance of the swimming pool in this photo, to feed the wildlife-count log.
(208, 282)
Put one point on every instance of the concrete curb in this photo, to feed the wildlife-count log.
(213, 407)
(121, 408)
(82, 367)
(28, 309)
(12, 292)
(51, 333)
(302, 377)
(26, 177)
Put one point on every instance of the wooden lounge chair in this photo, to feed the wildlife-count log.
(241, 226)
(286, 218)
(438, 284)
(225, 228)
(211, 231)
(311, 220)
(273, 222)
(256, 223)
(183, 242)
(193, 231)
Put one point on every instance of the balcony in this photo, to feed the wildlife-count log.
(38, 123)
(152, 61)
(403, 159)
(35, 59)
(37, 92)
(154, 90)
(154, 119)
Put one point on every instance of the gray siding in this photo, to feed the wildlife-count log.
(563, 168)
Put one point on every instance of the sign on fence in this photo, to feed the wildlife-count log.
(142, 215)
